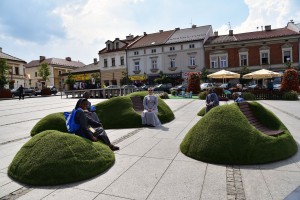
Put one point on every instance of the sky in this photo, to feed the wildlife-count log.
(80, 28)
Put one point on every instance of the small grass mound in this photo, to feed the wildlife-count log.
(55, 121)
(115, 113)
(225, 136)
(201, 112)
(53, 157)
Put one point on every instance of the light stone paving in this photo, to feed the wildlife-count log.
(150, 164)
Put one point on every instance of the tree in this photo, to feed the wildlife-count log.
(244, 70)
(3, 73)
(44, 72)
(204, 73)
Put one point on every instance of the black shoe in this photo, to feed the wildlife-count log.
(114, 148)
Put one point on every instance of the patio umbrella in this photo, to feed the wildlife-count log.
(222, 74)
(261, 74)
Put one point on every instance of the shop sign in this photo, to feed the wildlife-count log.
(137, 78)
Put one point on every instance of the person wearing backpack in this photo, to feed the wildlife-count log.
(89, 128)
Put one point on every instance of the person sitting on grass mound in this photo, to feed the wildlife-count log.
(212, 100)
(149, 115)
(90, 128)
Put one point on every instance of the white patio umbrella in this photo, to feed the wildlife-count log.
(261, 74)
(223, 74)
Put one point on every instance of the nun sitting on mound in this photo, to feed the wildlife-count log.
(149, 115)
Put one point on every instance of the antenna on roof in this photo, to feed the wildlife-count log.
(229, 26)
(191, 22)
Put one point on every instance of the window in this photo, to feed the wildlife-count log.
(172, 48)
(154, 64)
(286, 56)
(243, 60)
(108, 46)
(172, 63)
(113, 62)
(122, 60)
(191, 46)
(105, 62)
(59, 72)
(264, 58)
(136, 65)
(223, 61)
(17, 70)
(192, 61)
(214, 62)
(136, 53)
(35, 74)
(153, 50)
(117, 45)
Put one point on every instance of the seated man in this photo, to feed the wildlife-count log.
(149, 115)
(212, 100)
(90, 128)
(237, 97)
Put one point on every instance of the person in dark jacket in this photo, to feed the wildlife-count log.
(90, 128)
(21, 90)
(212, 100)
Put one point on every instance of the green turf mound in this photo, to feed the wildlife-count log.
(55, 121)
(53, 157)
(225, 136)
(115, 113)
(201, 112)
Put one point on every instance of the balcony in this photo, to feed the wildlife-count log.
(192, 66)
(172, 68)
(136, 71)
(154, 70)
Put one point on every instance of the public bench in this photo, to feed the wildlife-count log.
(246, 110)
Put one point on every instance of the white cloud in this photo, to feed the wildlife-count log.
(276, 13)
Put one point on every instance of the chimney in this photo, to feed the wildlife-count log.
(230, 32)
(145, 33)
(268, 28)
(216, 33)
(117, 39)
(161, 31)
(194, 26)
(129, 37)
(42, 58)
(177, 29)
(95, 61)
(68, 59)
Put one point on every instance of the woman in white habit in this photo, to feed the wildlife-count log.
(149, 115)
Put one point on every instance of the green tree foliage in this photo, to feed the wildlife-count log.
(244, 70)
(97, 77)
(3, 73)
(193, 82)
(204, 73)
(44, 71)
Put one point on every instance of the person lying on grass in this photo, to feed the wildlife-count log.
(90, 128)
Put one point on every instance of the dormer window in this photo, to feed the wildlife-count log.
(117, 45)
(108, 47)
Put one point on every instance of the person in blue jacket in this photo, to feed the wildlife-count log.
(90, 128)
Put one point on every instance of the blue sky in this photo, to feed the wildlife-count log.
(79, 28)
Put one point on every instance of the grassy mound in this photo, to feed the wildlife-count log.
(114, 113)
(55, 121)
(201, 112)
(53, 157)
(225, 136)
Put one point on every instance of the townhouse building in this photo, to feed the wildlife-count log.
(113, 60)
(173, 53)
(268, 49)
(16, 75)
(57, 67)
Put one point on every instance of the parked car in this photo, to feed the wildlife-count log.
(52, 88)
(206, 86)
(129, 87)
(26, 92)
(163, 87)
(112, 86)
(276, 87)
(179, 88)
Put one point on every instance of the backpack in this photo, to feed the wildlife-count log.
(72, 126)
